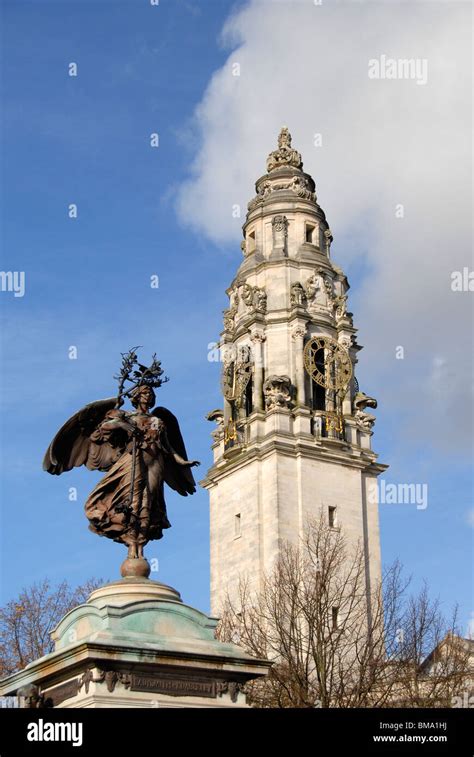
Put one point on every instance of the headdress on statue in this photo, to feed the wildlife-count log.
(139, 376)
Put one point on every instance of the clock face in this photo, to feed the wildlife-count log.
(328, 363)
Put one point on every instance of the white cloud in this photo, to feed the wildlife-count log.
(384, 142)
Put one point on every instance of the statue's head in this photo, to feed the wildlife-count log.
(143, 395)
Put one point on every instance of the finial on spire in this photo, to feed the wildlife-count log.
(285, 155)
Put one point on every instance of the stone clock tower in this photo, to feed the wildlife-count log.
(294, 435)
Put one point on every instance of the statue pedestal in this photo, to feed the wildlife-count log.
(136, 644)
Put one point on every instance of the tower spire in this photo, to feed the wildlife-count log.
(284, 174)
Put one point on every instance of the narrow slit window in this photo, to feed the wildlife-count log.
(332, 517)
(252, 242)
(237, 525)
(335, 617)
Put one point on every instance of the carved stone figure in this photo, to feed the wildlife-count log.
(315, 289)
(255, 298)
(297, 295)
(340, 304)
(317, 425)
(247, 294)
(328, 237)
(231, 312)
(277, 392)
(139, 450)
(285, 155)
(319, 289)
(260, 300)
(360, 402)
(109, 677)
(298, 184)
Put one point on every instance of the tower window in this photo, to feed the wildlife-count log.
(309, 233)
(237, 526)
(332, 517)
(248, 397)
(318, 391)
(335, 617)
(251, 242)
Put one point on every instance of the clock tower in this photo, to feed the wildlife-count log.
(294, 434)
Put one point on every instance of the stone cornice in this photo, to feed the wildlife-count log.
(286, 201)
(48, 670)
(285, 262)
(300, 448)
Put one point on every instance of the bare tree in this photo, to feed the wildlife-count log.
(26, 622)
(329, 645)
(431, 662)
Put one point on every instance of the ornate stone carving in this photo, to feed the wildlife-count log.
(340, 309)
(247, 294)
(280, 232)
(298, 297)
(261, 300)
(257, 336)
(364, 420)
(319, 290)
(340, 306)
(231, 312)
(313, 284)
(230, 687)
(285, 155)
(328, 237)
(110, 677)
(300, 185)
(255, 298)
(346, 342)
(218, 417)
(277, 392)
(298, 332)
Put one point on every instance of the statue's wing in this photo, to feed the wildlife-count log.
(70, 447)
(179, 477)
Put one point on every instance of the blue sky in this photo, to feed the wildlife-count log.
(86, 140)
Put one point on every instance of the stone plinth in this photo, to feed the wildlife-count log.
(136, 644)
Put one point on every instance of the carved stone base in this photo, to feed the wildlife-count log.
(136, 644)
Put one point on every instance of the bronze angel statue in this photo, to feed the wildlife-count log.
(139, 450)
